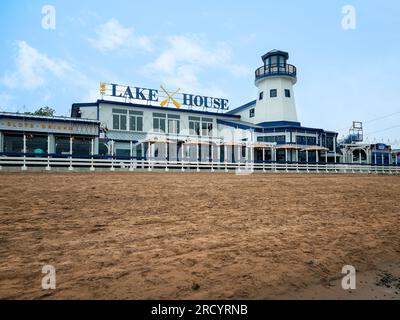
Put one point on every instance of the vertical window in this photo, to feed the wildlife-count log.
(173, 124)
(273, 93)
(136, 121)
(194, 126)
(207, 127)
(261, 95)
(159, 121)
(119, 119)
(252, 113)
(243, 151)
(287, 93)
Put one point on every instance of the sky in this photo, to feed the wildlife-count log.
(57, 58)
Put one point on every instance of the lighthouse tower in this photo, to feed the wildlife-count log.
(275, 81)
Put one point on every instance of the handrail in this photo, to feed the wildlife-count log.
(276, 69)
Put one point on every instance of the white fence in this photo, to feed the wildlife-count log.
(93, 164)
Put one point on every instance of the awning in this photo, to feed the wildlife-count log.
(315, 148)
(232, 144)
(261, 146)
(288, 147)
(198, 142)
(156, 140)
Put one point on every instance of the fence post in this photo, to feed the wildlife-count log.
(183, 156)
(166, 157)
(212, 157)
(91, 159)
(48, 168)
(225, 156)
(24, 167)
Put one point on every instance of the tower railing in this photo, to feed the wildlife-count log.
(276, 69)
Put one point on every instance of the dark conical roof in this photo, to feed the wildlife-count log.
(275, 53)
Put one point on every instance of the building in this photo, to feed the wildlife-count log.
(22, 134)
(141, 123)
(155, 125)
(354, 150)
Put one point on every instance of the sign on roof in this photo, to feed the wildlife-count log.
(162, 97)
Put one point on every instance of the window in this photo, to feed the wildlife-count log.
(261, 95)
(136, 121)
(159, 121)
(36, 143)
(62, 145)
(243, 151)
(272, 139)
(252, 113)
(194, 126)
(273, 93)
(287, 93)
(207, 127)
(303, 140)
(13, 142)
(82, 146)
(330, 142)
(119, 119)
(173, 124)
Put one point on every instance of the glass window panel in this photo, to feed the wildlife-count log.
(123, 123)
(120, 111)
(115, 122)
(139, 126)
(159, 115)
(132, 123)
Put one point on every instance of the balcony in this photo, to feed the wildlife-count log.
(276, 70)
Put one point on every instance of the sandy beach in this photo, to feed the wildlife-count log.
(198, 236)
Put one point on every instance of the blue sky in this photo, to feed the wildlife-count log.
(207, 47)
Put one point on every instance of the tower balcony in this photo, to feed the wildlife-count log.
(276, 70)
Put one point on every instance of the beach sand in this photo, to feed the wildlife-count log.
(198, 236)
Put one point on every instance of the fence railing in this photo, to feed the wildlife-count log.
(131, 164)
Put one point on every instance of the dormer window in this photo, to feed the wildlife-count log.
(252, 113)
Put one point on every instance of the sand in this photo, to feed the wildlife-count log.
(197, 236)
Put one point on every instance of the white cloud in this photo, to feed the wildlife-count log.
(34, 70)
(186, 57)
(31, 68)
(112, 35)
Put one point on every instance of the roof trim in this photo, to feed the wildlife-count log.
(43, 118)
(275, 52)
(279, 124)
(135, 105)
(236, 125)
(243, 107)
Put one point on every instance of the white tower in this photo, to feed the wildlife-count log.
(275, 81)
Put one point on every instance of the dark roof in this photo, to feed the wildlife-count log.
(56, 119)
(275, 53)
(243, 107)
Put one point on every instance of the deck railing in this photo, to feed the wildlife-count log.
(276, 69)
(25, 163)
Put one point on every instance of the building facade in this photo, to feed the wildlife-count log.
(266, 129)
(157, 125)
(22, 134)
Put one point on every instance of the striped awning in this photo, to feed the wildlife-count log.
(315, 148)
(232, 143)
(198, 142)
(288, 147)
(262, 146)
